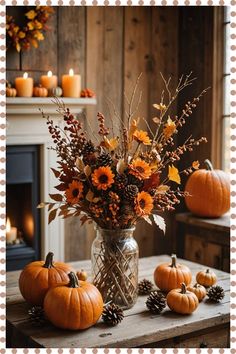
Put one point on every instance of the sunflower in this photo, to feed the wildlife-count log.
(102, 177)
(141, 137)
(74, 192)
(140, 169)
(143, 204)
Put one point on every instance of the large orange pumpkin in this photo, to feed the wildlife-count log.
(182, 301)
(209, 191)
(37, 277)
(77, 305)
(168, 276)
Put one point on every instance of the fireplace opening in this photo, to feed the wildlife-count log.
(22, 198)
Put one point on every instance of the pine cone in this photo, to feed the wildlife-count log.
(156, 302)
(104, 159)
(112, 314)
(145, 286)
(137, 182)
(36, 314)
(130, 192)
(121, 181)
(216, 293)
(88, 148)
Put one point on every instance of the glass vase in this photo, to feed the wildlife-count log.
(115, 266)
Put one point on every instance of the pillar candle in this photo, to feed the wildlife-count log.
(24, 86)
(11, 232)
(49, 81)
(71, 84)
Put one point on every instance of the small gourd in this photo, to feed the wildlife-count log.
(168, 276)
(56, 91)
(77, 305)
(198, 290)
(82, 275)
(40, 91)
(37, 277)
(10, 91)
(206, 278)
(182, 301)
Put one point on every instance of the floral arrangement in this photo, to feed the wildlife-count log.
(32, 32)
(118, 180)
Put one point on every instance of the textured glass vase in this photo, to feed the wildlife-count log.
(115, 266)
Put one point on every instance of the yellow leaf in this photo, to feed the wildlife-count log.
(160, 107)
(21, 34)
(79, 164)
(87, 171)
(18, 47)
(16, 29)
(31, 14)
(30, 25)
(38, 25)
(34, 43)
(169, 128)
(196, 165)
(173, 174)
(111, 144)
(133, 127)
(162, 189)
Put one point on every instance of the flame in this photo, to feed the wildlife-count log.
(49, 73)
(25, 76)
(8, 225)
(71, 72)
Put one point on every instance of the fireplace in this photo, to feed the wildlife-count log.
(22, 198)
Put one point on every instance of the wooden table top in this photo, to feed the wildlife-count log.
(139, 326)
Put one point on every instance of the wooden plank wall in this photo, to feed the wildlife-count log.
(111, 46)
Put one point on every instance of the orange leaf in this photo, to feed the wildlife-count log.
(195, 165)
(173, 174)
(52, 215)
(56, 197)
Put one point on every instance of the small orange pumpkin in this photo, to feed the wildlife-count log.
(40, 91)
(82, 275)
(209, 192)
(168, 276)
(198, 290)
(80, 304)
(10, 91)
(206, 278)
(37, 277)
(182, 301)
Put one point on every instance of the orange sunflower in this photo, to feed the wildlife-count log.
(141, 137)
(143, 204)
(140, 169)
(74, 192)
(102, 178)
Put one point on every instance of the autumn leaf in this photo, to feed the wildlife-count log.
(50, 206)
(41, 205)
(147, 219)
(159, 107)
(56, 173)
(162, 189)
(173, 174)
(56, 197)
(31, 14)
(160, 222)
(121, 166)
(132, 129)
(52, 215)
(111, 144)
(156, 120)
(169, 129)
(87, 171)
(79, 164)
(61, 187)
(89, 196)
(196, 165)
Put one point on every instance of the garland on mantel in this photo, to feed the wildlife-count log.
(24, 37)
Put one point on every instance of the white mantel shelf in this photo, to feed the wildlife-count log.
(31, 105)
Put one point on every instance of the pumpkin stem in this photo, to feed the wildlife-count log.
(49, 260)
(196, 285)
(208, 271)
(183, 288)
(208, 165)
(74, 281)
(173, 261)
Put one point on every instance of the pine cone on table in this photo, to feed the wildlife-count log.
(216, 293)
(36, 315)
(145, 286)
(156, 302)
(112, 314)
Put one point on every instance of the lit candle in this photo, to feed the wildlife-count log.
(24, 86)
(49, 81)
(71, 84)
(11, 232)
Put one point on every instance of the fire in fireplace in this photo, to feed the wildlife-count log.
(22, 198)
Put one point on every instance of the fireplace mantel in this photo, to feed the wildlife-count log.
(25, 126)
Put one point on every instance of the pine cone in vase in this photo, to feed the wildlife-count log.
(145, 286)
(104, 160)
(88, 148)
(130, 192)
(112, 314)
(121, 181)
(36, 314)
(216, 293)
(156, 302)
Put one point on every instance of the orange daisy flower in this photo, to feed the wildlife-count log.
(74, 192)
(102, 177)
(140, 169)
(143, 204)
(141, 137)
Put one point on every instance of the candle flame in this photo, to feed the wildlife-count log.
(71, 72)
(8, 225)
(49, 73)
(25, 76)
